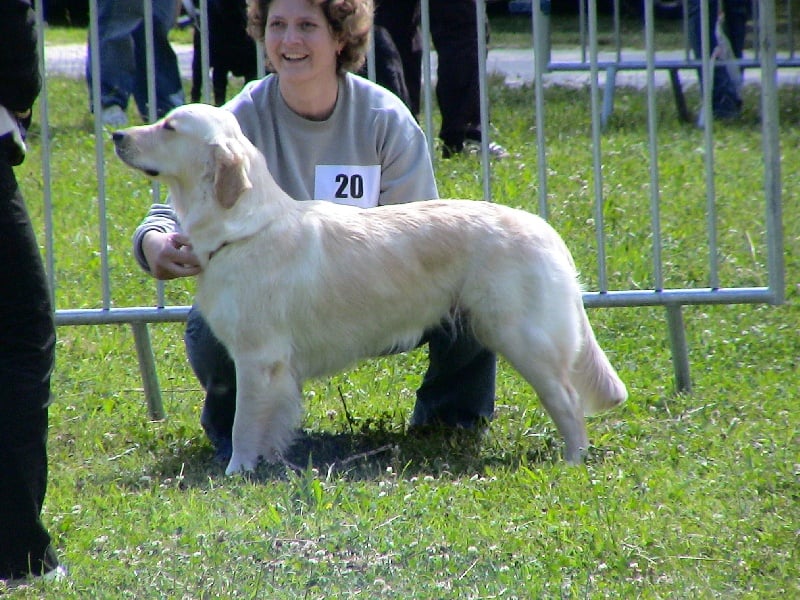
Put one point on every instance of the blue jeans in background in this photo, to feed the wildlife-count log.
(726, 98)
(123, 63)
(458, 389)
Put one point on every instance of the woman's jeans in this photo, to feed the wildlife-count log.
(123, 62)
(457, 390)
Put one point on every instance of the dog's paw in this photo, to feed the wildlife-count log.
(239, 464)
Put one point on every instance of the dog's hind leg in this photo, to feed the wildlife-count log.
(545, 364)
(268, 409)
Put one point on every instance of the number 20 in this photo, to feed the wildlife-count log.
(349, 186)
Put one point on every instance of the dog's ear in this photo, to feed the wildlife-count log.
(230, 174)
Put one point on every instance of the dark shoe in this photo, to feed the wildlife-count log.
(450, 150)
(220, 439)
(223, 450)
(459, 421)
(57, 574)
(51, 571)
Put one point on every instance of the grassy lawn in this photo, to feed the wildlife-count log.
(684, 496)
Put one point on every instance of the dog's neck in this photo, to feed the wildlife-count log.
(259, 207)
(213, 253)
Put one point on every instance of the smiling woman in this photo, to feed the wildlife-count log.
(303, 49)
(347, 20)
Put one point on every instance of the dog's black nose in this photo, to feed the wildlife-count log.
(117, 136)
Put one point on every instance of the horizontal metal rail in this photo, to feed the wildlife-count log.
(683, 297)
(591, 299)
(133, 314)
(663, 64)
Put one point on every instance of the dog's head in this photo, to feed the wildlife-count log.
(191, 145)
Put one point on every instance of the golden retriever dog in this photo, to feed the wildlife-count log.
(296, 290)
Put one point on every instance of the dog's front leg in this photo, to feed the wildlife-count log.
(268, 410)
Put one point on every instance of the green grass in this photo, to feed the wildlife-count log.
(684, 496)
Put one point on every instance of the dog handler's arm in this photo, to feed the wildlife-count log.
(160, 248)
(169, 255)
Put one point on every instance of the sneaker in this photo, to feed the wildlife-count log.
(495, 149)
(59, 573)
(450, 150)
(114, 116)
(473, 146)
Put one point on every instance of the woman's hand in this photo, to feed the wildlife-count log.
(169, 255)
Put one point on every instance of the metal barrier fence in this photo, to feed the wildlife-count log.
(766, 58)
(109, 312)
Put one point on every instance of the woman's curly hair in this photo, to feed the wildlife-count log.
(350, 20)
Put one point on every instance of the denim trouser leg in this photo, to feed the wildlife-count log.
(457, 390)
(116, 21)
(459, 387)
(169, 89)
(726, 101)
(123, 63)
(216, 372)
(737, 13)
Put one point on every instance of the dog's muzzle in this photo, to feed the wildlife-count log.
(122, 145)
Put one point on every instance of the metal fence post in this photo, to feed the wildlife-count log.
(680, 350)
(147, 367)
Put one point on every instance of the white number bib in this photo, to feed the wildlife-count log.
(355, 185)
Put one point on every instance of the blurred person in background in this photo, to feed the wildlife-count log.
(454, 31)
(730, 22)
(123, 59)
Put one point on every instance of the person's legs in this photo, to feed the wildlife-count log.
(116, 20)
(737, 13)
(726, 102)
(216, 372)
(388, 65)
(401, 19)
(455, 37)
(459, 386)
(27, 353)
(169, 89)
(457, 390)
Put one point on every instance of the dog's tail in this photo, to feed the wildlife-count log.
(595, 380)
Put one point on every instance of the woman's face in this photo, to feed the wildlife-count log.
(299, 42)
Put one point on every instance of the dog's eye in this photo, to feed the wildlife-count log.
(168, 126)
